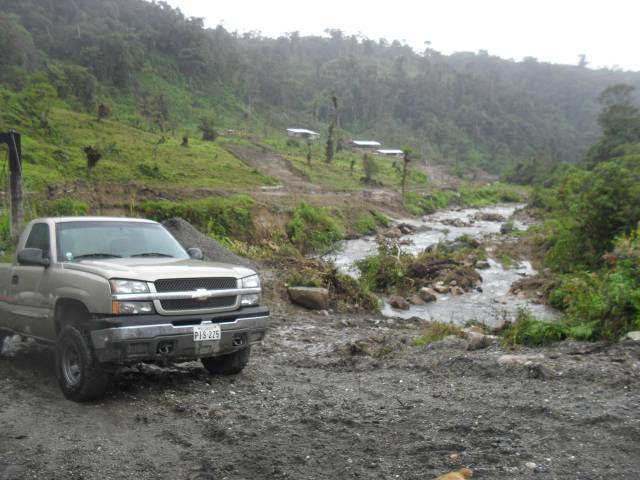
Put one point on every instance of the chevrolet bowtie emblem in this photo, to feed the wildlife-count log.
(200, 294)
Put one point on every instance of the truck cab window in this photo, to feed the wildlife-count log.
(39, 238)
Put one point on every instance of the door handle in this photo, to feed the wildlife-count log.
(15, 280)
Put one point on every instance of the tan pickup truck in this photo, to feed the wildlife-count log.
(111, 291)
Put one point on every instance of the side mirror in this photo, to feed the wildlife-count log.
(195, 253)
(33, 257)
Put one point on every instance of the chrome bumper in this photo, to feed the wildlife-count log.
(162, 341)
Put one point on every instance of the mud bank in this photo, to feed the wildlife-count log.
(339, 398)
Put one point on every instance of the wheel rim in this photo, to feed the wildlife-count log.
(71, 365)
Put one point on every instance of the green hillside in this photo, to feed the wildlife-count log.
(55, 154)
(161, 72)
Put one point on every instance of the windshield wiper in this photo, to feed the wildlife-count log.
(151, 254)
(97, 255)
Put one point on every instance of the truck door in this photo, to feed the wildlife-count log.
(30, 310)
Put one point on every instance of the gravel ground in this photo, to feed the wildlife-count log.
(331, 398)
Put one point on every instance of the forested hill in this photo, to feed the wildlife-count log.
(158, 69)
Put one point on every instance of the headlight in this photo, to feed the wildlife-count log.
(131, 308)
(251, 299)
(251, 282)
(128, 286)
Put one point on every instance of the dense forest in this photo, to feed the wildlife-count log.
(160, 70)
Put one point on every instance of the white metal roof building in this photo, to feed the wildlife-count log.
(302, 132)
(365, 143)
(391, 152)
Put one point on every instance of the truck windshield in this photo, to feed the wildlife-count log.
(113, 239)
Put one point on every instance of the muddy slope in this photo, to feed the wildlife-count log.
(334, 398)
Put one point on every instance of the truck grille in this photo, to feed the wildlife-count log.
(194, 304)
(188, 284)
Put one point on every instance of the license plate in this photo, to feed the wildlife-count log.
(203, 333)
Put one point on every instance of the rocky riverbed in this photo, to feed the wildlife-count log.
(335, 397)
(491, 304)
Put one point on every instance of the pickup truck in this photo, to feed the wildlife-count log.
(113, 291)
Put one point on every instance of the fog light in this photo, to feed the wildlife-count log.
(252, 299)
(132, 308)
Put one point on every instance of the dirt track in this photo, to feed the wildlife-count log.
(334, 398)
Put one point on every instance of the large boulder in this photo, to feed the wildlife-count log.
(427, 294)
(398, 302)
(476, 340)
(506, 228)
(313, 298)
(415, 299)
(632, 336)
(213, 251)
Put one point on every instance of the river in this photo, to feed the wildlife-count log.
(493, 305)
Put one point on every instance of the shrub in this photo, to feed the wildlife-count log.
(217, 216)
(528, 330)
(426, 203)
(63, 207)
(369, 223)
(386, 270)
(436, 331)
(313, 228)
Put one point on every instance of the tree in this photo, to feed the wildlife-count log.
(370, 169)
(103, 112)
(405, 166)
(93, 157)
(308, 152)
(582, 62)
(209, 133)
(328, 155)
(620, 122)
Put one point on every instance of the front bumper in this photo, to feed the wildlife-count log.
(156, 337)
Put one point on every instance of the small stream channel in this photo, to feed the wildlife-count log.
(492, 306)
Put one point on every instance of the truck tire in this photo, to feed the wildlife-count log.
(3, 336)
(80, 376)
(229, 364)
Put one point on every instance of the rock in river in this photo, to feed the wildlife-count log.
(506, 227)
(398, 302)
(427, 295)
(482, 265)
(313, 298)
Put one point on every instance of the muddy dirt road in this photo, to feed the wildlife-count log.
(333, 398)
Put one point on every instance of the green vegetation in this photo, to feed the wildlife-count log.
(217, 216)
(590, 238)
(313, 228)
(369, 223)
(62, 207)
(392, 271)
(426, 203)
(56, 154)
(436, 331)
(527, 330)
(346, 293)
(155, 69)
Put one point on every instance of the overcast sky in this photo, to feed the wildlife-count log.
(550, 30)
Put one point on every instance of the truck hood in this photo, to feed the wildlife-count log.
(152, 269)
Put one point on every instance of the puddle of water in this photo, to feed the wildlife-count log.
(491, 306)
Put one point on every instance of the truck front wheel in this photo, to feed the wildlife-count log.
(229, 364)
(80, 376)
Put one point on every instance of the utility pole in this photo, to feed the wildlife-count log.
(12, 139)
